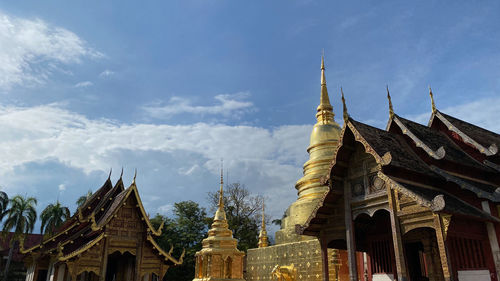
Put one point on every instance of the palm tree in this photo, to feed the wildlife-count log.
(53, 217)
(21, 218)
(4, 201)
(82, 199)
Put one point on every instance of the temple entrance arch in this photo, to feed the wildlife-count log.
(87, 276)
(374, 238)
(120, 267)
(422, 256)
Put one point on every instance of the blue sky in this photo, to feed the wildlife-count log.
(170, 87)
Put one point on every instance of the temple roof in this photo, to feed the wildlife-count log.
(480, 143)
(88, 225)
(404, 168)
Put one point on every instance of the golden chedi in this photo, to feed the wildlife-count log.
(263, 240)
(219, 259)
(324, 139)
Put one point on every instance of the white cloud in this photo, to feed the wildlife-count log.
(189, 170)
(31, 49)
(228, 104)
(267, 160)
(165, 209)
(83, 84)
(62, 187)
(106, 73)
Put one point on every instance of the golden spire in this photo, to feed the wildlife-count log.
(263, 240)
(346, 115)
(324, 113)
(220, 214)
(391, 110)
(434, 109)
(221, 191)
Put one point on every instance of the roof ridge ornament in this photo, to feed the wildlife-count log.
(121, 175)
(433, 105)
(135, 175)
(391, 109)
(346, 115)
(110, 171)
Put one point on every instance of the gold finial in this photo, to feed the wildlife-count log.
(121, 175)
(221, 192)
(434, 109)
(346, 115)
(324, 113)
(135, 175)
(391, 110)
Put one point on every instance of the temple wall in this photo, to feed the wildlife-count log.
(305, 257)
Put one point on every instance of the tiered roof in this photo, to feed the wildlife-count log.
(430, 164)
(88, 225)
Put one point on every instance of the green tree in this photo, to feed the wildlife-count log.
(21, 218)
(185, 231)
(243, 213)
(82, 199)
(53, 216)
(4, 202)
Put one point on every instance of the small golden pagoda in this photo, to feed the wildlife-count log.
(263, 240)
(219, 259)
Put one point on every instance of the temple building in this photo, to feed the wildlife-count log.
(412, 202)
(219, 259)
(303, 252)
(109, 238)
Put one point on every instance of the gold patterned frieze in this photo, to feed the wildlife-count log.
(304, 256)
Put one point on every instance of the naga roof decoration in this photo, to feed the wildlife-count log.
(87, 227)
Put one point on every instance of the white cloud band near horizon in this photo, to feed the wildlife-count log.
(271, 158)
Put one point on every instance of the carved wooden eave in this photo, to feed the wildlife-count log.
(381, 160)
(133, 190)
(436, 205)
(436, 154)
(487, 151)
(495, 196)
(83, 248)
(167, 256)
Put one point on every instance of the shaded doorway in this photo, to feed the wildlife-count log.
(42, 275)
(373, 236)
(416, 261)
(422, 255)
(121, 267)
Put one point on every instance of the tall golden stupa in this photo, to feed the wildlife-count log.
(219, 259)
(298, 256)
(324, 139)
